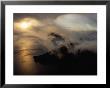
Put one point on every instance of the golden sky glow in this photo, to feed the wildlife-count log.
(26, 24)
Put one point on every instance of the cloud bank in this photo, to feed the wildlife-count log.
(76, 22)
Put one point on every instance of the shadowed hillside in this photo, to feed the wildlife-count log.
(80, 63)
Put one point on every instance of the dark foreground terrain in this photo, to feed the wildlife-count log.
(81, 63)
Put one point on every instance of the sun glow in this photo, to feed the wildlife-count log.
(26, 24)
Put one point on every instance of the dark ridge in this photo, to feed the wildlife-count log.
(55, 35)
(81, 63)
(50, 58)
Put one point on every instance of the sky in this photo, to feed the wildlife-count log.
(34, 31)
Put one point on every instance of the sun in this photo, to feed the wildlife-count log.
(25, 25)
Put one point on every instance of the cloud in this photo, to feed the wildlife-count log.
(76, 22)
